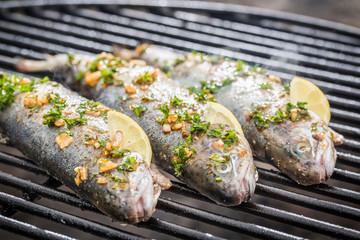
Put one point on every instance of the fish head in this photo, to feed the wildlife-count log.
(302, 150)
(133, 195)
(227, 177)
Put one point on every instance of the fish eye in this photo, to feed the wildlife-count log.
(302, 148)
(224, 167)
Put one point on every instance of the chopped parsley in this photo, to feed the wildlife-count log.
(102, 143)
(178, 61)
(214, 132)
(165, 68)
(182, 154)
(145, 79)
(7, 91)
(52, 115)
(79, 76)
(107, 76)
(139, 110)
(262, 122)
(119, 152)
(204, 96)
(129, 165)
(147, 98)
(198, 125)
(217, 160)
(229, 138)
(207, 88)
(10, 84)
(67, 132)
(314, 127)
(165, 109)
(55, 113)
(71, 57)
(286, 87)
(116, 179)
(87, 137)
(176, 102)
(240, 65)
(266, 85)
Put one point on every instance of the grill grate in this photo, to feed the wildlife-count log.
(326, 53)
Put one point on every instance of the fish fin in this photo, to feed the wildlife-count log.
(337, 138)
(52, 62)
(3, 139)
(124, 53)
(159, 178)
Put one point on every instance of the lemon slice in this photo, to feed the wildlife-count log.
(217, 113)
(302, 90)
(132, 137)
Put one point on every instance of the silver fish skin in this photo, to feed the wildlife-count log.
(133, 202)
(303, 150)
(227, 184)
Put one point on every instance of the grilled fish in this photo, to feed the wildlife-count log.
(67, 135)
(294, 139)
(211, 158)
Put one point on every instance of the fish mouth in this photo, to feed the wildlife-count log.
(322, 166)
(147, 194)
(326, 158)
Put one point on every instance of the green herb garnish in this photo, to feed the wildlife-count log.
(314, 127)
(229, 138)
(139, 109)
(266, 85)
(7, 91)
(119, 152)
(176, 102)
(198, 125)
(102, 143)
(107, 76)
(262, 122)
(67, 132)
(178, 61)
(129, 165)
(165, 109)
(144, 79)
(240, 65)
(286, 87)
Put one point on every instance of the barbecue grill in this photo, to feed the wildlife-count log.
(35, 205)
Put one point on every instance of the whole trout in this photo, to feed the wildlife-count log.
(211, 158)
(293, 138)
(67, 136)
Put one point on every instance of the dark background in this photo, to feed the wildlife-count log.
(343, 11)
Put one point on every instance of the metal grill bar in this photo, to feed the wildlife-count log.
(28, 53)
(64, 218)
(131, 32)
(336, 112)
(189, 36)
(163, 204)
(29, 230)
(230, 34)
(43, 45)
(324, 189)
(20, 163)
(316, 204)
(276, 214)
(301, 40)
(180, 209)
(204, 216)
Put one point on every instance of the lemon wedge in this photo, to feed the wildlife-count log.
(129, 134)
(218, 114)
(302, 90)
